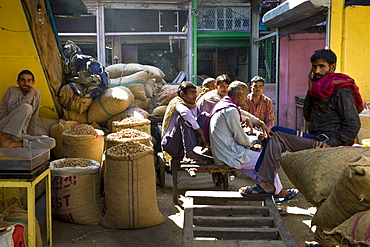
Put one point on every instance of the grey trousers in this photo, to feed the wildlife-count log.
(13, 124)
(279, 143)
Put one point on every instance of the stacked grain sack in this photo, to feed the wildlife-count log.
(141, 79)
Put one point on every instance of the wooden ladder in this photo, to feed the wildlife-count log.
(225, 218)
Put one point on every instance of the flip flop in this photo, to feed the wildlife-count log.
(286, 198)
(255, 187)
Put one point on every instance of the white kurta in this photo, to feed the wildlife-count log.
(229, 142)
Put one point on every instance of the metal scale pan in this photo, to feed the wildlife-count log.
(22, 159)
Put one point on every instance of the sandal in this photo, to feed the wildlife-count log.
(288, 197)
(256, 187)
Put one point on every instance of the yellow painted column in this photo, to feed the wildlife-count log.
(336, 30)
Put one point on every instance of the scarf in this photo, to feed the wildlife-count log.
(204, 91)
(330, 83)
(171, 109)
(225, 102)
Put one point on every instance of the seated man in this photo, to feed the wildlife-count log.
(208, 85)
(180, 129)
(19, 110)
(209, 100)
(230, 144)
(258, 104)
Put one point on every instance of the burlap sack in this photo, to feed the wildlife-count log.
(109, 103)
(13, 213)
(167, 93)
(72, 101)
(143, 104)
(75, 116)
(130, 190)
(353, 231)
(44, 124)
(141, 124)
(159, 111)
(155, 72)
(75, 192)
(123, 69)
(56, 131)
(84, 146)
(150, 87)
(111, 139)
(349, 196)
(315, 171)
(135, 82)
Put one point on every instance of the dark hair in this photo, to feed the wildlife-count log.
(27, 72)
(223, 78)
(325, 54)
(184, 87)
(258, 78)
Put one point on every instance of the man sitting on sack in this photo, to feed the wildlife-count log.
(19, 110)
(180, 128)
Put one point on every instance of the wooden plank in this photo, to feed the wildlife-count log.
(237, 233)
(221, 195)
(238, 243)
(279, 223)
(226, 221)
(187, 232)
(230, 210)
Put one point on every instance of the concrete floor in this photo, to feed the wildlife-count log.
(169, 234)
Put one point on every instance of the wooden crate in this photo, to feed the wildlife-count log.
(225, 218)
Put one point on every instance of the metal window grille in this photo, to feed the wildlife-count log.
(223, 18)
(267, 59)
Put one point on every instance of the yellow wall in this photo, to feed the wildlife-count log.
(18, 52)
(350, 39)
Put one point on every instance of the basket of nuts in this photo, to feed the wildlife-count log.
(129, 134)
(141, 124)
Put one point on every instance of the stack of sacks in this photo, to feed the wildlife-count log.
(74, 107)
(140, 79)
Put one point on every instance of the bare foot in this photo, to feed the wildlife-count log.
(10, 144)
(267, 187)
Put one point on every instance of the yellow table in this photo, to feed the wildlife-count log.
(31, 180)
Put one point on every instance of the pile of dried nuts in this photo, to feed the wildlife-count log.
(81, 129)
(72, 162)
(128, 133)
(132, 120)
(129, 147)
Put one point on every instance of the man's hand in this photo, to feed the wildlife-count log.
(248, 123)
(318, 144)
(265, 129)
(310, 79)
(32, 91)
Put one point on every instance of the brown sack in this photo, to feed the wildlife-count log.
(56, 131)
(349, 196)
(109, 103)
(135, 82)
(315, 171)
(130, 190)
(84, 146)
(354, 231)
(44, 124)
(75, 116)
(123, 69)
(72, 101)
(75, 191)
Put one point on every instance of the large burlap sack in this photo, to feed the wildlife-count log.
(44, 124)
(109, 103)
(141, 124)
(150, 88)
(143, 104)
(135, 82)
(75, 190)
(364, 132)
(75, 116)
(56, 131)
(72, 101)
(77, 144)
(130, 188)
(315, 171)
(125, 135)
(354, 231)
(159, 111)
(349, 196)
(155, 72)
(14, 213)
(167, 93)
(132, 111)
(123, 69)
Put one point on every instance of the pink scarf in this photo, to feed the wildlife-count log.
(330, 83)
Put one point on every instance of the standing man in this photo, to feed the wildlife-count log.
(180, 129)
(259, 104)
(19, 110)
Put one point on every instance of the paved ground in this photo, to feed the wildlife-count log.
(169, 234)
